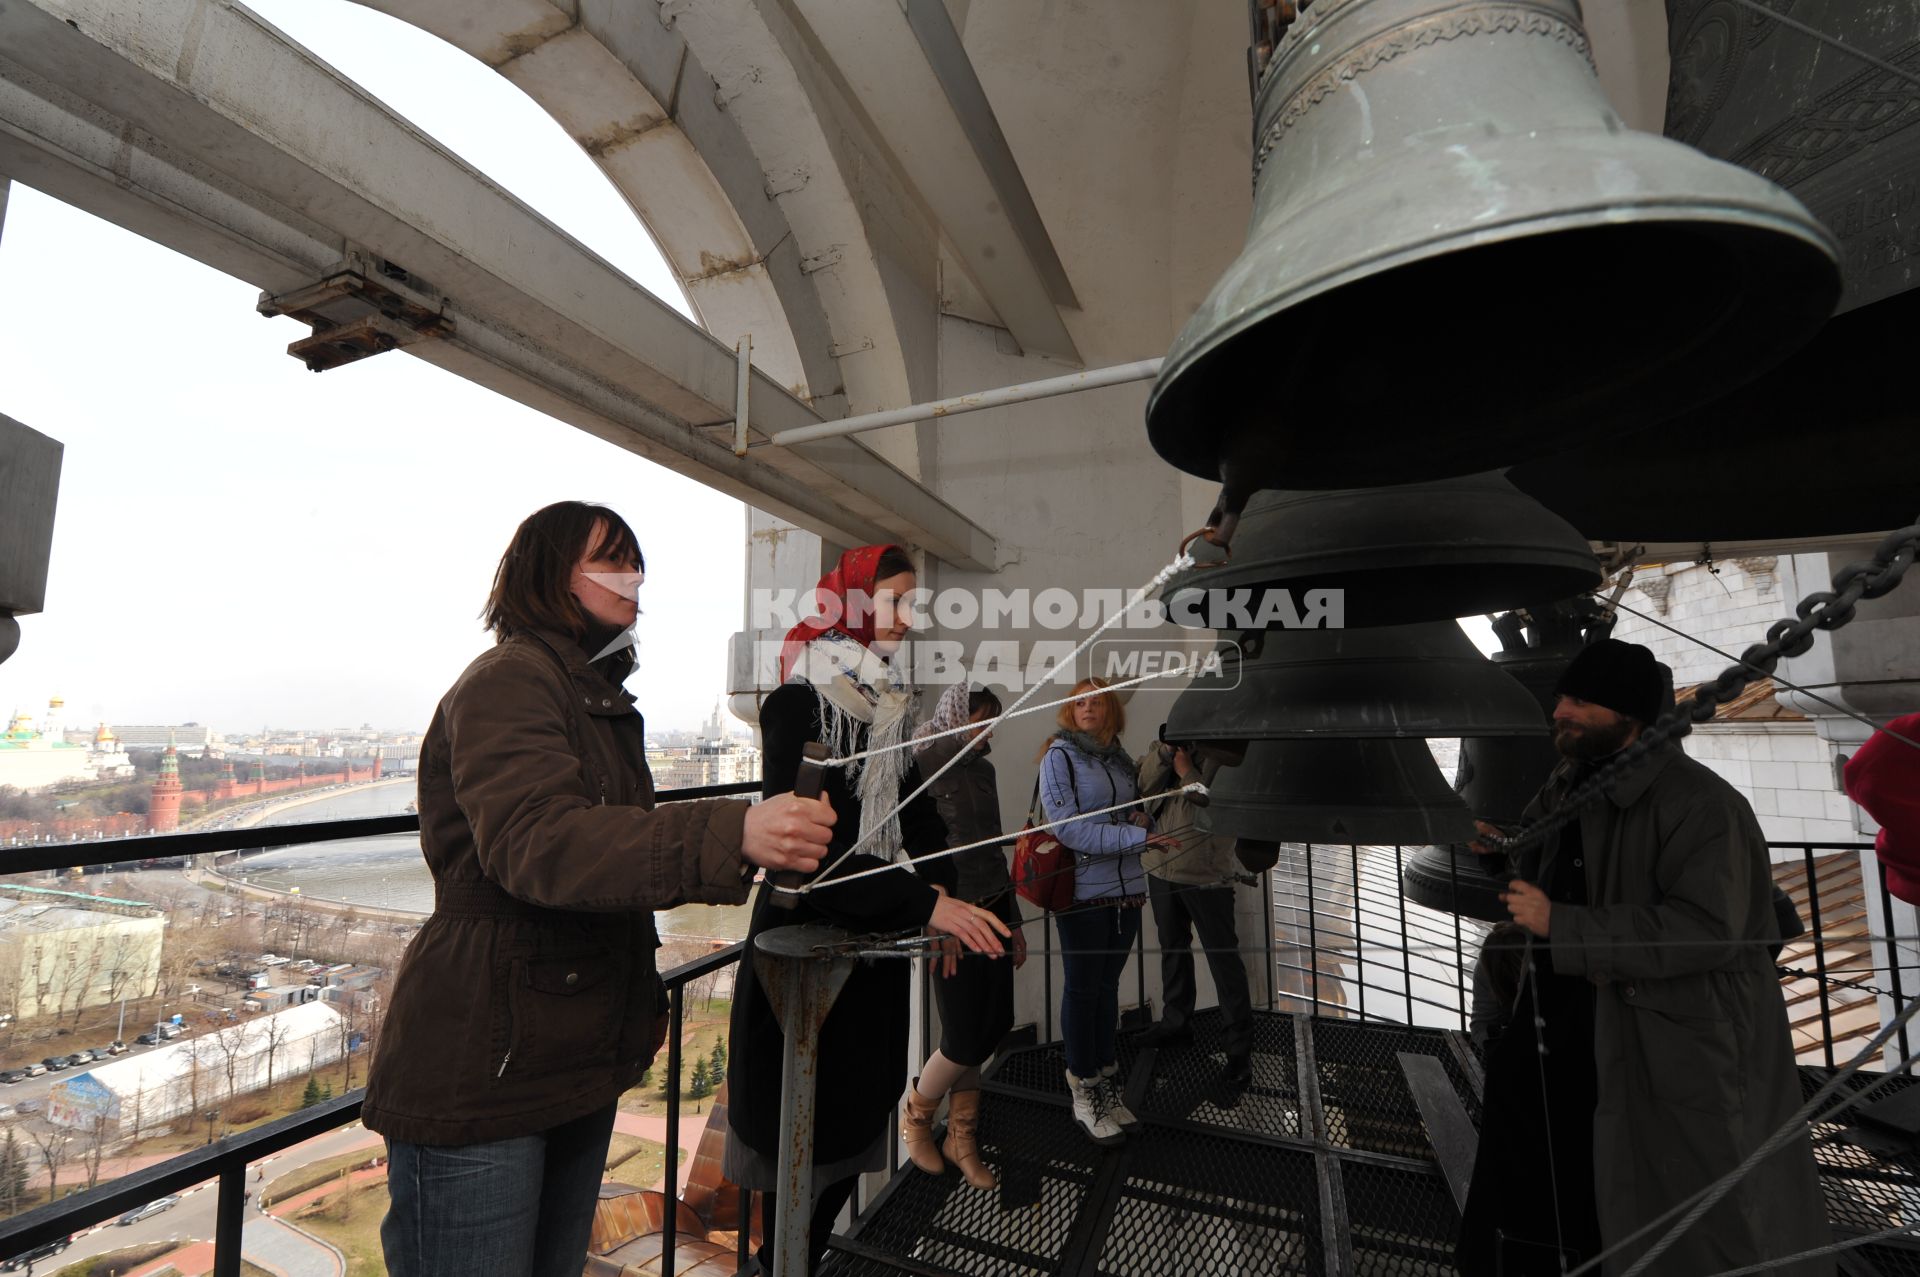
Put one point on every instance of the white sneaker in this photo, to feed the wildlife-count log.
(1090, 1110)
(1116, 1107)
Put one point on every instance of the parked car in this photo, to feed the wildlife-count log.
(171, 1031)
(151, 1209)
(6, 1110)
(55, 1063)
(45, 1250)
(10, 1076)
(35, 1070)
(115, 1047)
(149, 1038)
(29, 1106)
(80, 1057)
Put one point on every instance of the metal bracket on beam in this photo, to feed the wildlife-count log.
(743, 382)
(352, 317)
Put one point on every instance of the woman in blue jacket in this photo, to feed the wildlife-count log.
(1083, 769)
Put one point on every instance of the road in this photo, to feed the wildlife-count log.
(193, 1218)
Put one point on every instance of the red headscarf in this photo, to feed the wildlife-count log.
(1883, 776)
(855, 574)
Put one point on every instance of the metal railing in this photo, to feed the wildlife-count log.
(226, 1159)
(1338, 907)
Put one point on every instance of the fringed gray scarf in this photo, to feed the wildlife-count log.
(854, 688)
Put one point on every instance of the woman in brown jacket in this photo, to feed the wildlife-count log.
(529, 1000)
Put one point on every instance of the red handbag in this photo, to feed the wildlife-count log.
(1042, 864)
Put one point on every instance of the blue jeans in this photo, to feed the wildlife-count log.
(515, 1208)
(1094, 943)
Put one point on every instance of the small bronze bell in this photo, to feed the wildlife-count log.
(1338, 791)
(1460, 258)
(1419, 552)
(1499, 775)
(1387, 681)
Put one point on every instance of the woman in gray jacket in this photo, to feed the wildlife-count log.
(975, 998)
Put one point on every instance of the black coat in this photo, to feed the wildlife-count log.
(863, 1045)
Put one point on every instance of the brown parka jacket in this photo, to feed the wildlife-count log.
(530, 997)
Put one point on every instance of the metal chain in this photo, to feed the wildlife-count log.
(1822, 610)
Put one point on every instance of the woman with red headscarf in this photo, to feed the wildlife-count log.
(838, 688)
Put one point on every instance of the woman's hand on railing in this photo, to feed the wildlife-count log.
(971, 925)
(787, 831)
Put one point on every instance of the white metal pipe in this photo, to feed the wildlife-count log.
(1026, 392)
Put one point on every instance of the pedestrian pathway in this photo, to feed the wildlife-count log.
(650, 1127)
(293, 1204)
(283, 1249)
(190, 1261)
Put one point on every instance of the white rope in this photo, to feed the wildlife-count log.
(1181, 562)
(988, 723)
(1775, 1265)
(1705, 1199)
(1192, 787)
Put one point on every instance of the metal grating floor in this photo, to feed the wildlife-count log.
(1220, 1179)
(1320, 1167)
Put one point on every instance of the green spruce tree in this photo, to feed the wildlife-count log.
(13, 1174)
(717, 1071)
(311, 1096)
(700, 1085)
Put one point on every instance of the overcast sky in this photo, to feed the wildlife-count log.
(241, 542)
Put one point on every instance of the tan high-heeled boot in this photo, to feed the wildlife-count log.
(916, 1131)
(962, 1147)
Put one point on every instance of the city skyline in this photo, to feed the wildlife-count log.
(238, 540)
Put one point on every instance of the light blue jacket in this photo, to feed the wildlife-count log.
(1106, 849)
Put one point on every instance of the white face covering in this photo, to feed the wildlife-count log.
(855, 686)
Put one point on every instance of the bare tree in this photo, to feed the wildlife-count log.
(233, 1047)
(53, 1144)
(195, 1076)
(83, 964)
(42, 973)
(133, 1111)
(349, 1009)
(94, 1144)
(123, 960)
(274, 1030)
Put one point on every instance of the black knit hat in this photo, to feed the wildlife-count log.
(1624, 677)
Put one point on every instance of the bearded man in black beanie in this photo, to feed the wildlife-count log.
(1649, 1052)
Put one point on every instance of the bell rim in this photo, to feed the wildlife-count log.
(1789, 239)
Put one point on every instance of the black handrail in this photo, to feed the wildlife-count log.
(227, 1157)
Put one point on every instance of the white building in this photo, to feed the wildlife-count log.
(1771, 751)
(190, 739)
(62, 950)
(38, 756)
(147, 1090)
(715, 758)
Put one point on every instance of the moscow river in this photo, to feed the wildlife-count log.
(388, 872)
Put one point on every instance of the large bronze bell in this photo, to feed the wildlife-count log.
(1386, 681)
(1338, 791)
(1421, 552)
(1460, 258)
(1828, 442)
(1499, 775)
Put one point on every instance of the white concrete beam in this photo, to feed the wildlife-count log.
(908, 70)
(201, 127)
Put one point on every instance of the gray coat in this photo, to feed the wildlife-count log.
(1203, 859)
(1694, 1058)
(968, 798)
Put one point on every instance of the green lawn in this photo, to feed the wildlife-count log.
(351, 1221)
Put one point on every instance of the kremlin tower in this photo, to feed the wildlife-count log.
(163, 815)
